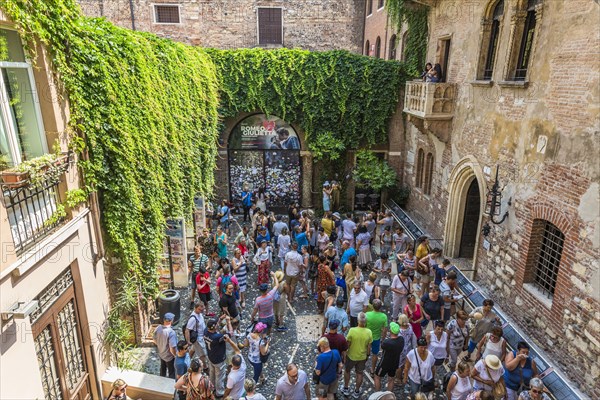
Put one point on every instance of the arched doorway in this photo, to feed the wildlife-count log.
(470, 223)
(264, 152)
(466, 188)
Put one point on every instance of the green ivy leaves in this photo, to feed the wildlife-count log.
(341, 100)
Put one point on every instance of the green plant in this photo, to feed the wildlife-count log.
(4, 162)
(372, 172)
(400, 194)
(415, 16)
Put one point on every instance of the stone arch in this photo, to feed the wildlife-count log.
(461, 177)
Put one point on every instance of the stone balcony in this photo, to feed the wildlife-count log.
(430, 107)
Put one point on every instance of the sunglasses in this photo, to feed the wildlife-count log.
(293, 376)
(536, 391)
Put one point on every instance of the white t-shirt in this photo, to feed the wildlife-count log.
(256, 396)
(438, 347)
(235, 381)
(357, 302)
(348, 227)
(293, 260)
(426, 365)
(197, 325)
(483, 374)
(253, 349)
(283, 241)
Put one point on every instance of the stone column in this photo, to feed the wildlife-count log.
(307, 178)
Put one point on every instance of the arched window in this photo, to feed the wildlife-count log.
(393, 44)
(367, 48)
(403, 49)
(543, 259)
(428, 174)
(369, 7)
(378, 47)
(525, 32)
(490, 40)
(420, 164)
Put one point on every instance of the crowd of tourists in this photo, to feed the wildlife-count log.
(390, 308)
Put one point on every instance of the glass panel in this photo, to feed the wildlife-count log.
(67, 326)
(5, 154)
(11, 48)
(245, 168)
(48, 371)
(23, 112)
(282, 177)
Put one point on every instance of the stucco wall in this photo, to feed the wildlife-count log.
(507, 125)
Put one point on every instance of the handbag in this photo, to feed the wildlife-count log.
(263, 357)
(427, 386)
(384, 281)
(317, 378)
(499, 390)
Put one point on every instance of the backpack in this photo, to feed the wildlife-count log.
(447, 380)
(193, 332)
(224, 282)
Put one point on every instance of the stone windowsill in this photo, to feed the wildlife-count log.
(537, 293)
(514, 84)
(482, 83)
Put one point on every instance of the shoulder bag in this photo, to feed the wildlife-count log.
(427, 386)
(317, 378)
(498, 390)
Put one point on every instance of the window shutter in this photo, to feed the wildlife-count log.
(270, 26)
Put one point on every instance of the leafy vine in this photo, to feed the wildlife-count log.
(415, 16)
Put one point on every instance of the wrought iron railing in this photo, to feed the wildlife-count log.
(31, 211)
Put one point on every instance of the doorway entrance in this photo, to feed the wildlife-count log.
(264, 153)
(470, 224)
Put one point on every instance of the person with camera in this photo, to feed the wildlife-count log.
(328, 366)
(216, 345)
(258, 343)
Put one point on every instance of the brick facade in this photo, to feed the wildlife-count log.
(543, 136)
(307, 24)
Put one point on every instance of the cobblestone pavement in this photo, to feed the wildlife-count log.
(296, 345)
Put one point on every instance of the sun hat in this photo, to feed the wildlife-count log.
(169, 316)
(279, 275)
(477, 316)
(394, 328)
(492, 361)
(337, 215)
(330, 245)
(326, 183)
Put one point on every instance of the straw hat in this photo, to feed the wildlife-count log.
(279, 275)
(477, 316)
(492, 361)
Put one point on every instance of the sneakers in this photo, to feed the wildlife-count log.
(356, 394)
(345, 391)
(281, 328)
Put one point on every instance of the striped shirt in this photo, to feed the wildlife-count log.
(264, 304)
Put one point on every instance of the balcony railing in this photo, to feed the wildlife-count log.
(33, 210)
(429, 100)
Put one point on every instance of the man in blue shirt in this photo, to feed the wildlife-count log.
(328, 366)
(347, 252)
(246, 202)
(182, 360)
(302, 237)
(224, 214)
(338, 314)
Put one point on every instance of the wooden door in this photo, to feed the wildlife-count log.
(470, 221)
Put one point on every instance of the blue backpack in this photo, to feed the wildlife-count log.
(224, 282)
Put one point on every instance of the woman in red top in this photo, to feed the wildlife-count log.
(203, 287)
(415, 314)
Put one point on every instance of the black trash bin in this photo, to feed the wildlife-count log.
(169, 301)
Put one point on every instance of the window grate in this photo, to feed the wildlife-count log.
(548, 259)
(167, 14)
(51, 293)
(270, 25)
(44, 350)
(67, 326)
(29, 210)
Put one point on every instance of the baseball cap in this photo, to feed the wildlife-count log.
(169, 316)
(334, 323)
(212, 323)
(263, 287)
(394, 328)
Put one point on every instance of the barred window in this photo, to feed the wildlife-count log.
(270, 26)
(166, 14)
(545, 251)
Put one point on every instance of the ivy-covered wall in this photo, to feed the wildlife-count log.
(145, 117)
